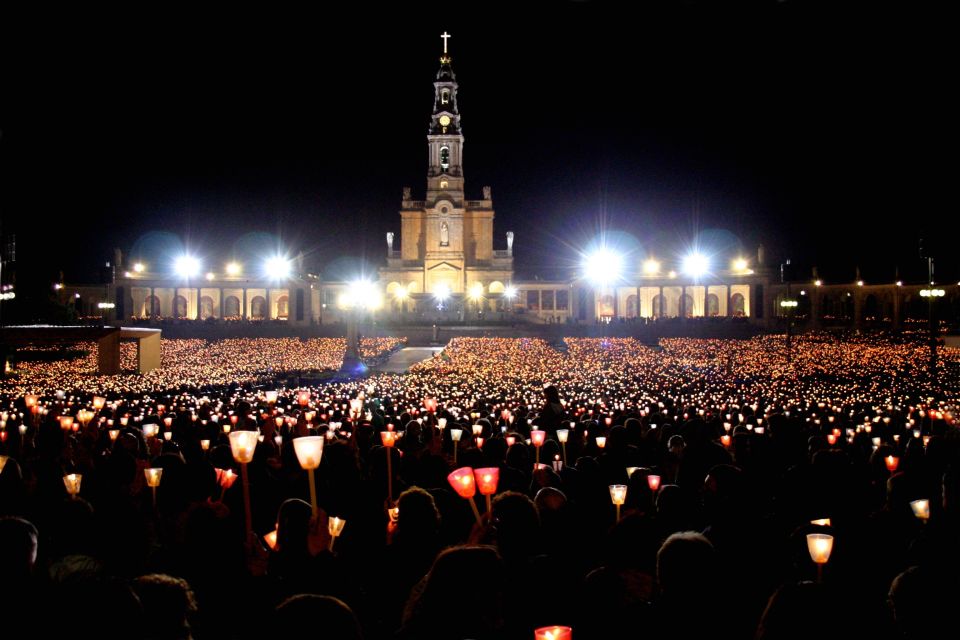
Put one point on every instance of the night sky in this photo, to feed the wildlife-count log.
(816, 131)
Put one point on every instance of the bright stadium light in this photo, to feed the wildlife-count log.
(476, 291)
(211, 275)
(651, 267)
(695, 264)
(233, 268)
(603, 267)
(277, 268)
(510, 292)
(740, 264)
(441, 292)
(361, 294)
(186, 266)
(138, 267)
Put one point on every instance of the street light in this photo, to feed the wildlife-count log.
(186, 266)
(696, 264)
(651, 267)
(277, 268)
(932, 326)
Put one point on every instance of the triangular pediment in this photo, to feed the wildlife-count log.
(444, 266)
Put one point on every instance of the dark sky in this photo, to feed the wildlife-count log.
(819, 131)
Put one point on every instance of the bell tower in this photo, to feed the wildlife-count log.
(444, 135)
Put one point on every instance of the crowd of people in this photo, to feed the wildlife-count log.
(188, 364)
(662, 491)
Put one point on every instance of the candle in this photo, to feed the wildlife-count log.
(553, 633)
(205, 445)
(601, 442)
(653, 482)
(72, 483)
(271, 396)
(487, 479)
(271, 539)
(511, 440)
(66, 422)
(335, 528)
(630, 471)
(309, 450)
(921, 509)
(150, 430)
(892, 463)
(618, 495)
(822, 522)
(464, 483)
(819, 545)
(725, 440)
(153, 481)
(537, 437)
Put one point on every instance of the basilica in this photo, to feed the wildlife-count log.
(451, 264)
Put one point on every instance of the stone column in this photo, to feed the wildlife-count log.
(660, 304)
(198, 305)
(269, 306)
(683, 303)
(729, 301)
(706, 290)
(221, 304)
(152, 298)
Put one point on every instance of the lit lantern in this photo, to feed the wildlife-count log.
(430, 404)
(66, 422)
(271, 539)
(242, 445)
(335, 528)
(455, 435)
(511, 440)
(394, 514)
(537, 437)
(441, 423)
(875, 441)
(921, 509)
(150, 430)
(892, 463)
(168, 422)
(303, 398)
(356, 407)
(618, 495)
(3, 462)
(72, 483)
(205, 445)
(725, 440)
(653, 482)
(30, 400)
(819, 545)
(831, 439)
(487, 479)
(562, 435)
(822, 522)
(463, 482)
(98, 402)
(309, 450)
(271, 396)
(601, 442)
(153, 481)
(389, 439)
(114, 434)
(630, 471)
(553, 633)
(557, 464)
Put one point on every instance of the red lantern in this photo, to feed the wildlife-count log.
(537, 437)
(653, 482)
(463, 482)
(430, 404)
(487, 480)
(388, 438)
(892, 463)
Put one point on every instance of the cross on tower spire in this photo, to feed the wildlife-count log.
(445, 37)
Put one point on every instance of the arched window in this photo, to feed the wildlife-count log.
(258, 308)
(283, 307)
(688, 306)
(206, 307)
(231, 307)
(713, 305)
(444, 158)
(445, 96)
(736, 300)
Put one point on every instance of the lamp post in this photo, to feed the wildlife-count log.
(788, 306)
(933, 329)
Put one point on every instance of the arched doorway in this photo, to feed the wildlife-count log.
(737, 302)
(180, 307)
(606, 306)
(283, 307)
(687, 305)
(258, 308)
(657, 306)
(713, 305)
(206, 307)
(632, 311)
(231, 307)
(152, 307)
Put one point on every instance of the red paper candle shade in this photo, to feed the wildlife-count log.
(463, 482)
(537, 437)
(487, 480)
